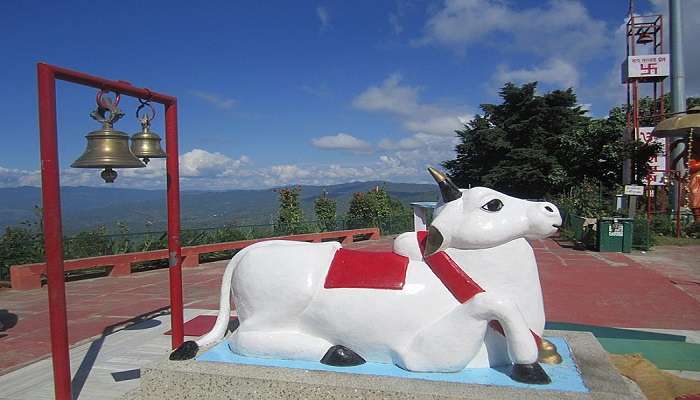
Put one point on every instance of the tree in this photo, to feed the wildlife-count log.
(535, 146)
(290, 219)
(19, 245)
(369, 209)
(325, 209)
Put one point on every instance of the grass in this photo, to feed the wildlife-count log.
(673, 241)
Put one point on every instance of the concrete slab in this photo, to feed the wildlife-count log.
(103, 369)
(211, 380)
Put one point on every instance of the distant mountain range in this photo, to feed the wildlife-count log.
(145, 210)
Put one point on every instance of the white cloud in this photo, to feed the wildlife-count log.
(560, 27)
(383, 168)
(11, 177)
(200, 162)
(341, 141)
(390, 96)
(691, 30)
(554, 72)
(221, 102)
(323, 16)
(393, 97)
(442, 125)
(416, 141)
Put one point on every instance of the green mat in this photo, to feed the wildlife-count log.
(664, 350)
(664, 354)
(614, 333)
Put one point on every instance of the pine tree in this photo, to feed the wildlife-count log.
(325, 209)
(290, 219)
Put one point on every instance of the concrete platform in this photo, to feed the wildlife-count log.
(215, 380)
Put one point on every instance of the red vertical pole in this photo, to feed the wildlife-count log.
(174, 251)
(53, 234)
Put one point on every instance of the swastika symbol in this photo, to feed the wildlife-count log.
(648, 69)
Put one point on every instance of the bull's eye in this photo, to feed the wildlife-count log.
(493, 205)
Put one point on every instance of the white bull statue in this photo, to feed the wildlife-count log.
(466, 293)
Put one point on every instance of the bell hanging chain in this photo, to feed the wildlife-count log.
(149, 113)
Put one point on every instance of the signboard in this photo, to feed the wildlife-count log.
(658, 162)
(616, 229)
(646, 68)
(634, 190)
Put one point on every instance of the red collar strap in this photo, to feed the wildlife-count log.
(461, 285)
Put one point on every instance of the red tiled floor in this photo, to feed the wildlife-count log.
(592, 288)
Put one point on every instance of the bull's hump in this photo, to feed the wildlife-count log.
(406, 244)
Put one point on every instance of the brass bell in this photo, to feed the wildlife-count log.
(645, 37)
(107, 148)
(146, 144)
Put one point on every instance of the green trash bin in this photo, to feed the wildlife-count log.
(615, 234)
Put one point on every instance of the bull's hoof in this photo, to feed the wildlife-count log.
(186, 351)
(530, 373)
(341, 356)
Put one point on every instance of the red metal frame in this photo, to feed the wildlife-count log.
(51, 201)
(636, 25)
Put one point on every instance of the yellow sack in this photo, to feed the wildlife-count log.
(655, 383)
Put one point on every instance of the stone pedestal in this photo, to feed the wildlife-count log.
(214, 380)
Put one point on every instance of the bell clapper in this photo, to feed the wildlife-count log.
(109, 175)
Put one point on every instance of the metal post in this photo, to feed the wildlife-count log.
(53, 234)
(677, 87)
(174, 250)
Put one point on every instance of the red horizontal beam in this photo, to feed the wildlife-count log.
(121, 87)
(26, 276)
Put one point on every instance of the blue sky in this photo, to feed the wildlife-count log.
(306, 92)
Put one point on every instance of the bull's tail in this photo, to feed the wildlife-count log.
(189, 349)
(222, 318)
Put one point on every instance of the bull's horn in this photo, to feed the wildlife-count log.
(448, 189)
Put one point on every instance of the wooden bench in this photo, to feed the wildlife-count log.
(28, 276)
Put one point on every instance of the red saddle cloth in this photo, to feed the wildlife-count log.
(366, 270)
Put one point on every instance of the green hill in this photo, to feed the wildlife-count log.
(145, 210)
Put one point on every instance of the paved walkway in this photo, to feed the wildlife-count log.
(605, 289)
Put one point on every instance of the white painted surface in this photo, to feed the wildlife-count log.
(420, 214)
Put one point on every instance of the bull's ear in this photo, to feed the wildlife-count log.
(433, 241)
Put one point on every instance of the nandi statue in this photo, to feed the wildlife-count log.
(466, 293)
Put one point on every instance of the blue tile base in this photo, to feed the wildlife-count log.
(565, 376)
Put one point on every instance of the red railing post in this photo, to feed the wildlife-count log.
(174, 249)
(53, 234)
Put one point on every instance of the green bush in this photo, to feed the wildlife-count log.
(643, 237)
(693, 230)
(585, 199)
(662, 225)
(19, 245)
